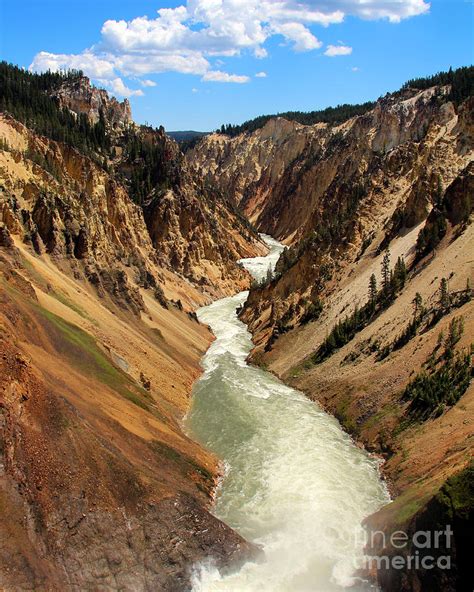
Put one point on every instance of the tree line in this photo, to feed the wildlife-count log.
(461, 81)
(330, 115)
(27, 97)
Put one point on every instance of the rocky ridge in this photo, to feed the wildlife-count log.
(80, 97)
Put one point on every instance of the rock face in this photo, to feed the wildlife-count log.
(65, 205)
(90, 499)
(80, 97)
(339, 196)
(285, 175)
(99, 349)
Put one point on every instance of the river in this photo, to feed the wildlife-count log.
(294, 482)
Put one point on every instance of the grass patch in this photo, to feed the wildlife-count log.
(37, 278)
(185, 462)
(83, 353)
(67, 302)
(343, 415)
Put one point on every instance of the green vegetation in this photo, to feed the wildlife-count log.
(149, 161)
(343, 415)
(426, 318)
(445, 379)
(331, 115)
(45, 162)
(332, 226)
(312, 312)
(457, 495)
(153, 164)
(431, 234)
(82, 352)
(461, 81)
(27, 96)
(346, 329)
(70, 304)
(185, 462)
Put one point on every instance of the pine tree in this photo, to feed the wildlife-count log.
(444, 298)
(269, 276)
(372, 289)
(399, 274)
(417, 305)
(439, 193)
(455, 331)
(386, 272)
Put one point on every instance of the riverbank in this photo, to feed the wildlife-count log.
(363, 389)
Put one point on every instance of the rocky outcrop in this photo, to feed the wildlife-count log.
(69, 207)
(285, 175)
(80, 97)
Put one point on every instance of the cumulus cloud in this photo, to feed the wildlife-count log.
(147, 83)
(119, 88)
(337, 50)
(183, 39)
(93, 65)
(218, 76)
(301, 36)
(261, 75)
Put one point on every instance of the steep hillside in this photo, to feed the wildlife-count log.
(100, 347)
(393, 184)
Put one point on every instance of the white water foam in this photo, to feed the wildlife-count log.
(295, 481)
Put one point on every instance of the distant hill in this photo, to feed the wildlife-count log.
(186, 136)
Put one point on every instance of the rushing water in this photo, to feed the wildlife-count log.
(294, 483)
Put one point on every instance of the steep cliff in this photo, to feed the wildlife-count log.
(80, 97)
(99, 486)
(394, 184)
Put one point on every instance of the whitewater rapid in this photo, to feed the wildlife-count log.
(295, 482)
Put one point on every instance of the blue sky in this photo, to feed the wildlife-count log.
(201, 63)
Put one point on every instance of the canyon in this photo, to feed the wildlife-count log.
(108, 249)
(342, 197)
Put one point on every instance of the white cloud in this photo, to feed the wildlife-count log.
(183, 39)
(260, 53)
(355, 69)
(261, 75)
(194, 90)
(302, 37)
(147, 83)
(119, 88)
(218, 76)
(93, 65)
(337, 50)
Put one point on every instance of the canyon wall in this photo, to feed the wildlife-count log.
(100, 347)
(343, 197)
